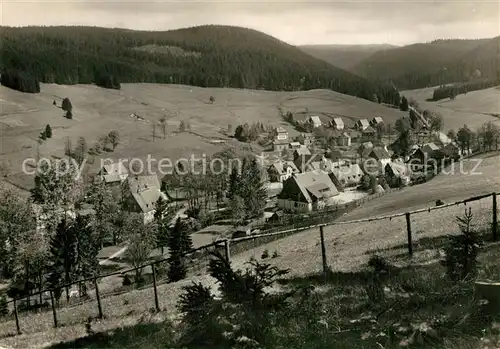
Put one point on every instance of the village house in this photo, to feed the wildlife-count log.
(280, 134)
(376, 121)
(306, 139)
(314, 121)
(307, 163)
(369, 134)
(337, 124)
(346, 175)
(381, 158)
(294, 145)
(280, 145)
(452, 151)
(113, 173)
(362, 124)
(423, 155)
(365, 149)
(397, 174)
(141, 194)
(306, 192)
(301, 152)
(342, 139)
(355, 135)
(281, 171)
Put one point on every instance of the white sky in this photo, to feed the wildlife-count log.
(297, 22)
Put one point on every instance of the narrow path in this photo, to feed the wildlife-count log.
(114, 255)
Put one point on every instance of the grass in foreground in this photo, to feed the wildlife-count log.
(379, 307)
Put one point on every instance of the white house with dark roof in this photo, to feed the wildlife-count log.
(281, 134)
(337, 124)
(315, 121)
(282, 170)
(362, 124)
(346, 175)
(377, 120)
(141, 195)
(306, 192)
(114, 172)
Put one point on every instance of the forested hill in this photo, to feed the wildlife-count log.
(435, 63)
(208, 56)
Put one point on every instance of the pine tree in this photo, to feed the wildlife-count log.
(162, 218)
(252, 190)
(179, 243)
(48, 131)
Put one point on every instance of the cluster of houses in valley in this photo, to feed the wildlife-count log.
(313, 178)
(304, 177)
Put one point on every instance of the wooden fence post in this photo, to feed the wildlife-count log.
(408, 230)
(323, 253)
(98, 298)
(227, 250)
(54, 314)
(495, 218)
(18, 328)
(157, 303)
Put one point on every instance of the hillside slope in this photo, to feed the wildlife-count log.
(206, 56)
(97, 111)
(343, 56)
(435, 63)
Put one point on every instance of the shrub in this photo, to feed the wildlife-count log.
(265, 254)
(439, 202)
(462, 250)
(126, 280)
(379, 265)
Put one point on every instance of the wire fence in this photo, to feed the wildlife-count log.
(312, 246)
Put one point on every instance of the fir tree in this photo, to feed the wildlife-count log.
(48, 131)
(162, 218)
(179, 243)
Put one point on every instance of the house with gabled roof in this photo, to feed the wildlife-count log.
(377, 120)
(306, 192)
(342, 139)
(397, 174)
(346, 175)
(362, 124)
(281, 170)
(337, 124)
(301, 152)
(141, 194)
(113, 173)
(314, 121)
(280, 133)
(369, 134)
(306, 139)
(376, 160)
